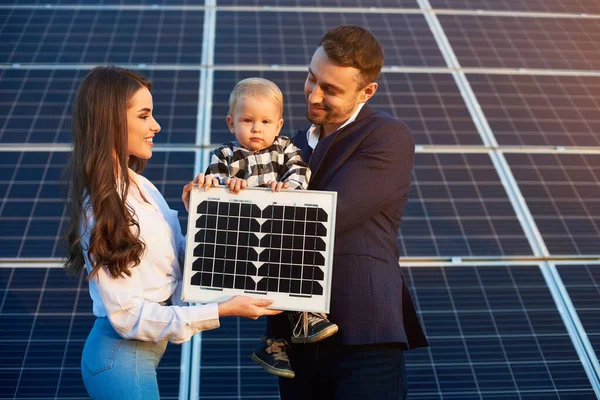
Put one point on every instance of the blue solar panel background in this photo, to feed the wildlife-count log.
(550, 6)
(35, 105)
(562, 192)
(540, 110)
(100, 36)
(557, 43)
(288, 38)
(495, 330)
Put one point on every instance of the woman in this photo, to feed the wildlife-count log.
(129, 241)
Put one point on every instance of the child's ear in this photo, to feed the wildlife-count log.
(279, 125)
(230, 124)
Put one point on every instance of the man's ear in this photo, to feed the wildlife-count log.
(368, 91)
(230, 124)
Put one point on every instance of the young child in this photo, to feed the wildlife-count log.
(259, 157)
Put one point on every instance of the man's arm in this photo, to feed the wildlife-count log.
(375, 175)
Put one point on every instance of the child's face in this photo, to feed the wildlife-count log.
(255, 122)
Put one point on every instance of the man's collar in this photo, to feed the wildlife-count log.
(314, 132)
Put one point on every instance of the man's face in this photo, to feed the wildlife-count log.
(332, 92)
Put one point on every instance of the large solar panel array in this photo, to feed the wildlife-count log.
(501, 234)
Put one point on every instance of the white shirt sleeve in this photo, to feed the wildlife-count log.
(134, 318)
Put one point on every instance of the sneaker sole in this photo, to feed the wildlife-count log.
(324, 334)
(273, 371)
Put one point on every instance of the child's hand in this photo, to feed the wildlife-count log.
(236, 184)
(277, 186)
(201, 181)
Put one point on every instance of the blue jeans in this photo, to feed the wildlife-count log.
(329, 371)
(117, 368)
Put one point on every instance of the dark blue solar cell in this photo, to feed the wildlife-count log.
(252, 38)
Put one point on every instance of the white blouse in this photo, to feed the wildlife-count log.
(132, 304)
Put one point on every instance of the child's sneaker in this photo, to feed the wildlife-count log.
(309, 327)
(271, 354)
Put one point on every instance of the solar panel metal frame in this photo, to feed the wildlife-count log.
(262, 197)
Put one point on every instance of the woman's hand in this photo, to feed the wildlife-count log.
(247, 307)
(202, 181)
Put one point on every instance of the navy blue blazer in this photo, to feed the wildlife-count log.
(368, 163)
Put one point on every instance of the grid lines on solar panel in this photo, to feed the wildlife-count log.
(561, 191)
(540, 110)
(231, 236)
(554, 6)
(583, 285)
(494, 333)
(32, 210)
(430, 104)
(45, 318)
(290, 38)
(517, 42)
(36, 105)
(101, 36)
(458, 207)
(322, 3)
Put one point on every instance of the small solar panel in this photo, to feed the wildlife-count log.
(458, 207)
(494, 333)
(538, 110)
(32, 197)
(430, 104)
(101, 36)
(582, 282)
(266, 244)
(561, 191)
(554, 6)
(36, 105)
(45, 318)
(290, 38)
(548, 43)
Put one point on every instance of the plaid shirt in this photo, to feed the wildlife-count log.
(281, 162)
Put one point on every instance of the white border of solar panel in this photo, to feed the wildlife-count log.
(261, 197)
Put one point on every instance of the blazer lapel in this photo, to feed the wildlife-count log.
(328, 145)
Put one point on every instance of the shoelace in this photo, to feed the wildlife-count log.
(306, 319)
(278, 350)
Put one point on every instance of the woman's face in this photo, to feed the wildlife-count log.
(141, 125)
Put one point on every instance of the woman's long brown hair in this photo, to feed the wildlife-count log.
(98, 174)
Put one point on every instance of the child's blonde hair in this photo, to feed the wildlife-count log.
(256, 87)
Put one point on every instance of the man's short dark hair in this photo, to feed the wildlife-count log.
(354, 46)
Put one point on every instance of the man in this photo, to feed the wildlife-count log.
(366, 157)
